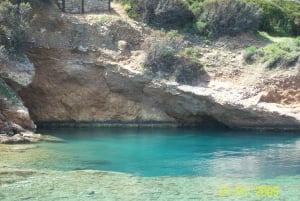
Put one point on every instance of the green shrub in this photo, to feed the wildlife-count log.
(14, 21)
(298, 40)
(202, 27)
(228, 17)
(219, 17)
(196, 6)
(249, 53)
(130, 11)
(193, 54)
(165, 13)
(161, 50)
(188, 70)
(167, 57)
(104, 19)
(283, 54)
(280, 17)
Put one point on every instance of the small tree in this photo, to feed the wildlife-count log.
(14, 21)
(161, 50)
(166, 58)
(166, 13)
(222, 17)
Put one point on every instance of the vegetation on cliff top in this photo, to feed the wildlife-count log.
(14, 21)
(216, 18)
(169, 57)
(280, 17)
(219, 17)
(283, 54)
(159, 13)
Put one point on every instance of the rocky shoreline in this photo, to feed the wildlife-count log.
(27, 137)
(23, 137)
(76, 76)
(16, 125)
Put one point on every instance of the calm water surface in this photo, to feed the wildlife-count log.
(174, 152)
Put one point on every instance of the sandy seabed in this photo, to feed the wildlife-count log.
(18, 183)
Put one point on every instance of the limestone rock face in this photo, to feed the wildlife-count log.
(14, 116)
(285, 91)
(14, 119)
(18, 73)
(20, 116)
(75, 87)
(82, 75)
(67, 90)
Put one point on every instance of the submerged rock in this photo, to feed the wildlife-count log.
(15, 139)
(27, 137)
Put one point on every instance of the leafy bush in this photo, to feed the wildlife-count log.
(173, 12)
(283, 54)
(222, 17)
(219, 17)
(14, 21)
(161, 50)
(249, 53)
(166, 13)
(130, 11)
(192, 54)
(280, 17)
(166, 57)
(188, 70)
(196, 6)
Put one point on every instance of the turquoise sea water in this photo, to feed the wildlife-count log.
(130, 164)
(173, 152)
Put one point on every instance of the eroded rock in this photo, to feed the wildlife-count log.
(95, 84)
(27, 137)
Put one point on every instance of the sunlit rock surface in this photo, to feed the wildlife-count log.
(90, 69)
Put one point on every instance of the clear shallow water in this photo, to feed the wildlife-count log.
(173, 152)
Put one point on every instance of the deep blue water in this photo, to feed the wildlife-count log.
(175, 152)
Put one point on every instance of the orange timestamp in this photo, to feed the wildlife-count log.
(245, 191)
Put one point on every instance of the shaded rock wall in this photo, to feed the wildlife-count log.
(14, 116)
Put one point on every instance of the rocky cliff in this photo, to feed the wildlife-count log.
(90, 68)
(14, 116)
